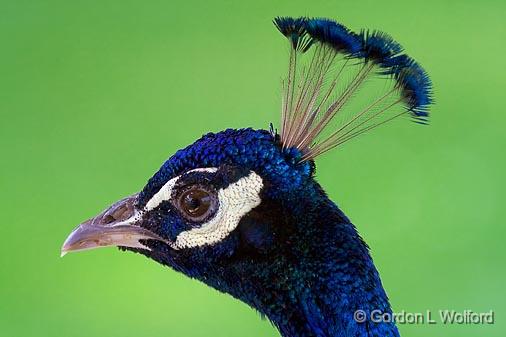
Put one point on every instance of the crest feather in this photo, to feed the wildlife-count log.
(317, 93)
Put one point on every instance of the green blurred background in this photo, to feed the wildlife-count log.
(95, 95)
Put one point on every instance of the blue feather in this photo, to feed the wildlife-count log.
(379, 47)
(416, 89)
(335, 35)
(295, 31)
(414, 83)
(376, 53)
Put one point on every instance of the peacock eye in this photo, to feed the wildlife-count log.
(197, 203)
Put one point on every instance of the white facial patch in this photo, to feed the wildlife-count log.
(234, 202)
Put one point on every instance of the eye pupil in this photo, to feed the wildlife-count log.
(196, 202)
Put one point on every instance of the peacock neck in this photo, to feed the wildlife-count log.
(326, 279)
(312, 276)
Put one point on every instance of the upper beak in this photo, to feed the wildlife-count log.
(116, 226)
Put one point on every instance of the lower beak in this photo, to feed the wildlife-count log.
(116, 226)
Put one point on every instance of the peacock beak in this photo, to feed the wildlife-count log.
(116, 226)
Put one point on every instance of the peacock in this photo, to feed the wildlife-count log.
(241, 210)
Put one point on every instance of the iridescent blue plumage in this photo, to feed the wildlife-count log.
(416, 89)
(335, 35)
(254, 150)
(414, 83)
(379, 47)
(295, 30)
(295, 238)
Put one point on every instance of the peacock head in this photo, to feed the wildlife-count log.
(241, 210)
(218, 202)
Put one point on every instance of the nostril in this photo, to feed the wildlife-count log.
(107, 219)
(118, 212)
(115, 214)
(122, 213)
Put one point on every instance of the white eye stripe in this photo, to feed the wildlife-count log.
(235, 201)
(165, 192)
